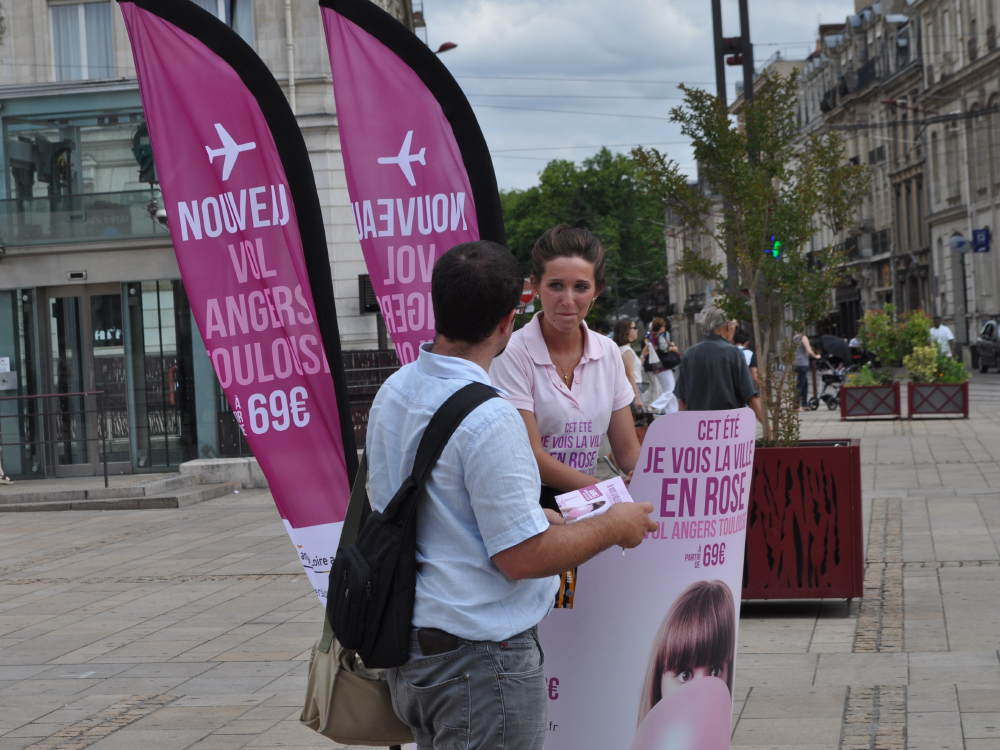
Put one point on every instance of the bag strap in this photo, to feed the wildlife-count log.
(357, 507)
(443, 425)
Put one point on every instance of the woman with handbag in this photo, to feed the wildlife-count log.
(626, 332)
(669, 357)
(568, 382)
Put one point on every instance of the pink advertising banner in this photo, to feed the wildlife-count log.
(670, 607)
(418, 171)
(245, 222)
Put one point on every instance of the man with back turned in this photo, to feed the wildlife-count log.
(714, 374)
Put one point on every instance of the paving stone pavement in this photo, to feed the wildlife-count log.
(191, 628)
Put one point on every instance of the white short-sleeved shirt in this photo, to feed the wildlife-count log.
(942, 336)
(571, 420)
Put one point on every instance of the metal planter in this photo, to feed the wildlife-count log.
(938, 398)
(804, 536)
(870, 401)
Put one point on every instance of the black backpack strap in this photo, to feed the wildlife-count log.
(443, 425)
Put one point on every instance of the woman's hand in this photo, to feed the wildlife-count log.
(637, 403)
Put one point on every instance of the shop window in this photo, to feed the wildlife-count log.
(82, 44)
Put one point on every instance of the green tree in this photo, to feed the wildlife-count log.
(765, 183)
(605, 194)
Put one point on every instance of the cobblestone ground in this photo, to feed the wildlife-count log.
(915, 663)
(191, 628)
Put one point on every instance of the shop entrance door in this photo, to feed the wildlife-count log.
(86, 352)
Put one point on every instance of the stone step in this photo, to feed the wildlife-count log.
(187, 494)
(23, 494)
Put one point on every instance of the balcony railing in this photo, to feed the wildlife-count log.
(867, 73)
(86, 217)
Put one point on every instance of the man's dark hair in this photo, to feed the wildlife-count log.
(741, 337)
(474, 285)
(937, 320)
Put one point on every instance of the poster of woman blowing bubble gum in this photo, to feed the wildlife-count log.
(646, 659)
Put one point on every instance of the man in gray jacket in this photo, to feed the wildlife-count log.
(714, 375)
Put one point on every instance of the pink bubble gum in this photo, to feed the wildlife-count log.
(695, 716)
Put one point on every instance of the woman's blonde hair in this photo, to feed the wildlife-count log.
(698, 631)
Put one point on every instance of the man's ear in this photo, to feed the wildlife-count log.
(507, 324)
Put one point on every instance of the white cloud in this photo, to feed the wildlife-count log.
(626, 40)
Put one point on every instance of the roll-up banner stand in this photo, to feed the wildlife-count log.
(419, 173)
(646, 657)
(246, 225)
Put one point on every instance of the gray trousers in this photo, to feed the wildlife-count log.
(483, 696)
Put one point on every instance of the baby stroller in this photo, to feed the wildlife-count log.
(833, 376)
(833, 367)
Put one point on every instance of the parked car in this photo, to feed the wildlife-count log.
(988, 346)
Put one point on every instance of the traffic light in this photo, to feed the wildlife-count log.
(143, 152)
(774, 247)
(732, 46)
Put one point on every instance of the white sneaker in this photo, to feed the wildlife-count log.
(4, 479)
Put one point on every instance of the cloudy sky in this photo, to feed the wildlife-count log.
(609, 68)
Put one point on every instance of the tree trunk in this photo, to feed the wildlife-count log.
(762, 364)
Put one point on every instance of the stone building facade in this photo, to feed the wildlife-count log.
(961, 96)
(90, 293)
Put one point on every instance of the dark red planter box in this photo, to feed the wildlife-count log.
(938, 398)
(804, 524)
(870, 401)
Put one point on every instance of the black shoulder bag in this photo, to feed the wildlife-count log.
(373, 581)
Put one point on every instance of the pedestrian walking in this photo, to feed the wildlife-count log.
(487, 553)
(626, 331)
(714, 374)
(803, 355)
(668, 357)
(942, 337)
(4, 479)
(741, 338)
(568, 383)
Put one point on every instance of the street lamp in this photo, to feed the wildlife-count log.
(445, 47)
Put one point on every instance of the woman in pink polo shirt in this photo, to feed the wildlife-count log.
(568, 382)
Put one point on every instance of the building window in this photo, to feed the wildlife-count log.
(935, 169)
(994, 126)
(237, 14)
(981, 147)
(82, 45)
(952, 160)
(920, 213)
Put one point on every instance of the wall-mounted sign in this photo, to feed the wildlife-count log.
(981, 240)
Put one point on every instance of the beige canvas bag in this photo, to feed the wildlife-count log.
(346, 702)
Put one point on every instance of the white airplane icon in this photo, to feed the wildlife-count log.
(405, 159)
(230, 150)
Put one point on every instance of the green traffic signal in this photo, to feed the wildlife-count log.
(775, 248)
